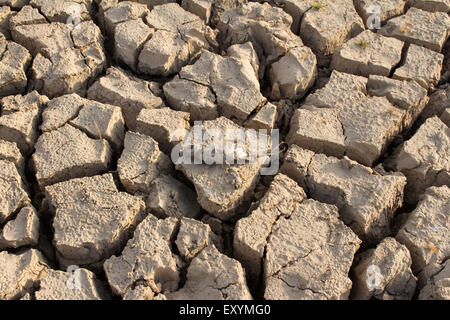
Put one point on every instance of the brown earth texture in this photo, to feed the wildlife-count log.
(355, 104)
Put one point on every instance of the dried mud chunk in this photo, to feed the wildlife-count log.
(311, 233)
(50, 40)
(421, 65)
(439, 100)
(127, 92)
(293, 74)
(192, 238)
(220, 6)
(385, 273)
(179, 37)
(88, 38)
(10, 152)
(163, 126)
(388, 9)
(222, 188)
(129, 38)
(66, 60)
(368, 53)
(438, 287)
(169, 17)
(431, 5)
(296, 9)
(296, 163)
(168, 51)
(5, 16)
(15, 4)
(423, 157)
(141, 162)
(201, 8)
(60, 111)
(264, 119)
(363, 134)
(252, 233)
(347, 94)
(157, 42)
(213, 276)
(63, 10)
(164, 54)
(20, 273)
(46, 73)
(422, 28)
(426, 232)
(234, 83)
(14, 62)
(146, 260)
(317, 129)
(341, 81)
(366, 200)
(101, 121)
(27, 15)
(189, 96)
(54, 286)
(404, 94)
(215, 84)
(102, 7)
(245, 52)
(115, 13)
(267, 27)
(170, 198)
(92, 219)
(22, 231)
(326, 29)
(139, 292)
(68, 153)
(408, 95)
(13, 196)
(95, 119)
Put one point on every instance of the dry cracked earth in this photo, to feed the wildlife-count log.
(92, 92)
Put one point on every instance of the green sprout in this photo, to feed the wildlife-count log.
(391, 111)
(317, 5)
(363, 43)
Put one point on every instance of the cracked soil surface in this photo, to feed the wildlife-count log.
(94, 93)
